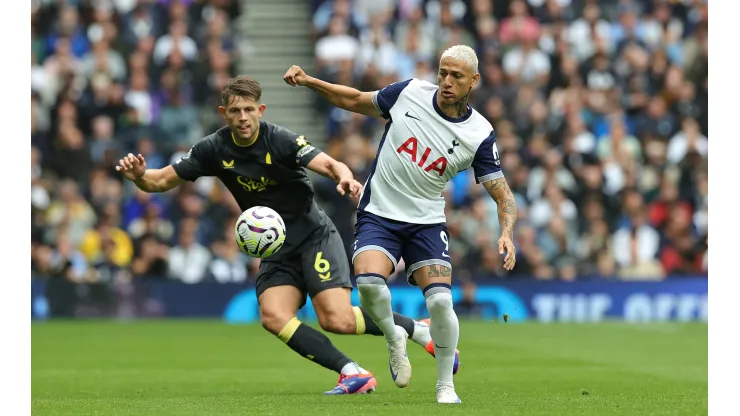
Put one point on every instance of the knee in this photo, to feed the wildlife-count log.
(338, 323)
(438, 302)
(373, 262)
(274, 321)
(362, 268)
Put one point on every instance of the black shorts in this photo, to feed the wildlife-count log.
(320, 266)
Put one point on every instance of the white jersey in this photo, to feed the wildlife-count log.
(421, 150)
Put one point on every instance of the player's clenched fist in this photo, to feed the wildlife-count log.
(296, 76)
(132, 167)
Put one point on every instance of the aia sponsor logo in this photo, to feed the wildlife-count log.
(423, 159)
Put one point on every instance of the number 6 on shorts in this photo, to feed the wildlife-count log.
(322, 266)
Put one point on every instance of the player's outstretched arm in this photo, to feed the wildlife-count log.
(341, 96)
(134, 169)
(326, 165)
(507, 215)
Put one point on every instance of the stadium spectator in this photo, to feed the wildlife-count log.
(189, 259)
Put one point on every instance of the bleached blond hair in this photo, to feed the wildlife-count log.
(462, 53)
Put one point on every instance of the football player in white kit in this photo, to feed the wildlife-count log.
(431, 135)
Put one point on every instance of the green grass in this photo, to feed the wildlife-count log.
(211, 368)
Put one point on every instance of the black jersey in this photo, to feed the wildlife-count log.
(270, 172)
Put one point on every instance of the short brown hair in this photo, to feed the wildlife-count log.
(241, 86)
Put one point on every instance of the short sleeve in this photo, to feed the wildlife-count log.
(486, 162)
(196, 163)
(294, 149)
(386, 98)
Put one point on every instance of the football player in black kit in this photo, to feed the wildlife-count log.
(262, 164)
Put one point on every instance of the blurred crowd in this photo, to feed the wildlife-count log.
(110, 77)
(600, 110)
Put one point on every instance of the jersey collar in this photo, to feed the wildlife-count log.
(445, 116)
(259, 131)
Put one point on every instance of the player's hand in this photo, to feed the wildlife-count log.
(349, 185)
(132, 167)
(296, 76)
(505, 245)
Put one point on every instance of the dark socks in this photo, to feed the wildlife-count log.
(313, 345)
(364, 321)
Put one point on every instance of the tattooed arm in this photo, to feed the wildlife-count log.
(507, 215)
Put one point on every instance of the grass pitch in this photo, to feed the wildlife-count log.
(211, 368)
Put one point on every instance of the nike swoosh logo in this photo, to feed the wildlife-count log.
(393, 375)
(410, 116)
(437, 346)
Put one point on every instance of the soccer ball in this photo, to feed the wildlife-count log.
(259, 232)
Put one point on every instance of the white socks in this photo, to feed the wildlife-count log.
(444, 328)
(351, 369)
(421, 334)
(375, 298)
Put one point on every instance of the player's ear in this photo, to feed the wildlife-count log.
(476, 78)
(261, 109)
(222, 111)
